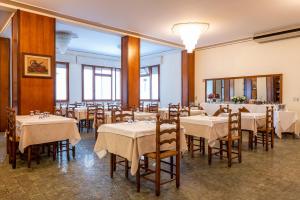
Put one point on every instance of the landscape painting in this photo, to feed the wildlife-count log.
(37, 66)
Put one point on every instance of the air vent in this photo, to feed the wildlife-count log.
(277, 35)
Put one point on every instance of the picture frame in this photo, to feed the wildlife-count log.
(37, 65)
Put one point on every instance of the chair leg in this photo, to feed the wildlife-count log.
(221, 149)
(272, 138)
(111, 165)
(209, 155)
(38, 154)
(14, 155)
(54, 150)
(138, 178)
(157, 177)
(126, 168)
(240, 150)
(68, 149)
(73, 151)
(178, 170)
(255, 141)
(192, 145)
(146, 162)
(171, 166)
(29, 156)
(267, 141)
(229, 147)
(203, 146)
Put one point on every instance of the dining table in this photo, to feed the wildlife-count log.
(131, 140)
(209, 127)
(164, 112)
(41, 129)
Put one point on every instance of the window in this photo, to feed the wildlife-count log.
(62, 81)
(149, 83)
(101, 83)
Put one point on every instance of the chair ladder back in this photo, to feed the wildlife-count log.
(234, 124)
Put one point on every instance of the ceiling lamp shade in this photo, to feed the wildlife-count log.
(190, 33)
(63, 39)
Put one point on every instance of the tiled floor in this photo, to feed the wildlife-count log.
(262, 175)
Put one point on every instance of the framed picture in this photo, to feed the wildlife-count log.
(37, 66)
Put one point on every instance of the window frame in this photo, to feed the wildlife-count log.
(94, 67)
(67, 82)
(150, 75)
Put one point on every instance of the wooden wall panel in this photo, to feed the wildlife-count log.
(187, 78)
(130, 71)
(34, 34)
(4, 81)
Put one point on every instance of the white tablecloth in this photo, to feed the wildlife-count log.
(210, 128)
(130, 140)
(33, 130)
(137, 116)
(211, 108)
(285, 121)
(164, 112)
(251, 121)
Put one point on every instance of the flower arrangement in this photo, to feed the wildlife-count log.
(213, 96)
(240, 99)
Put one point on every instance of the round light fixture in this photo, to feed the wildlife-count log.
(190, 33)
(63, 39)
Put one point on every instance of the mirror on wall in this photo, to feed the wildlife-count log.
(251, 89)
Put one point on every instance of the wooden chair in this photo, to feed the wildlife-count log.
(58, 111)
(152, 108)
(221, 110)
(99, 119)
(195, 106)
(193, 143)
(64, 146)
(117, 116)
(11, 138)
(90, 112)
(250, 138)
(141, 107)
(234, 134)
(173, 110)
(160, 155)
(265, 135)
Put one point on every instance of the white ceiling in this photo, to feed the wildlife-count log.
(94, 41)
(229, 19)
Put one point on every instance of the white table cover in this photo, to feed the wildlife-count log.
(33, 130)
(285, 121)
(165, 112)
(251, 121)
(137, 116)
(130, 140)
(210, 128)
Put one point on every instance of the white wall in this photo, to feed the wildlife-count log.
(251, 58)
(75, 60)
(170, 72)
(170, 75)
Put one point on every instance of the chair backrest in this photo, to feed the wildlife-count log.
(71, 105)
(221, 110)
(90, 111)
(152, 108)
(11, 123)
(173, 110)
(58, 111)
(185, 111)
(195, 106)
(166, 135)
(141, 107)
(244, 109)
(269, 118)
(117, 115)
(99, 116)
(70, 113)
(234, 124)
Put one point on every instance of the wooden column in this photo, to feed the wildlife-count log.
(130, 71)
(4, 81)
(32, 34)
(187, 77)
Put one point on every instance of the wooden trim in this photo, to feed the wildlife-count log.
(67, 82)
(238, 77)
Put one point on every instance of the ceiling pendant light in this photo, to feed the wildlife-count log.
(63, 39)
(190, 33)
